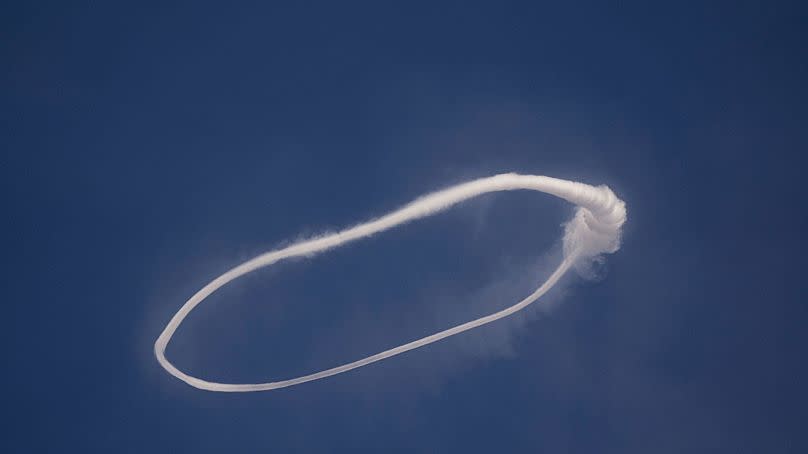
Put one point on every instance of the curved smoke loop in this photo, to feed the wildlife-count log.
(593, 231)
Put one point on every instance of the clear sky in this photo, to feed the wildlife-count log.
(148, 148)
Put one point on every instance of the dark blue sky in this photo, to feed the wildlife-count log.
(146, 149)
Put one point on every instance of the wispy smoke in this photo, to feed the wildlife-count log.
(593, 231)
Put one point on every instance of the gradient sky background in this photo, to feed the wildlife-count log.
(149, 148)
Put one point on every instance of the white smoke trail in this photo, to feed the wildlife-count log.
(594, 230)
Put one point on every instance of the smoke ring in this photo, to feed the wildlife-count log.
(594, 230)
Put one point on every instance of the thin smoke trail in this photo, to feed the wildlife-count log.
(594, 230)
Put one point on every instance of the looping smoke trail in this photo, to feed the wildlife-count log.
(594, 230)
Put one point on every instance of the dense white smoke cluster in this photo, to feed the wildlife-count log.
(593, 231)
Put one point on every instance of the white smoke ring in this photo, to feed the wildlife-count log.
(593, 231)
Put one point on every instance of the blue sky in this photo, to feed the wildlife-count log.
(148, 148)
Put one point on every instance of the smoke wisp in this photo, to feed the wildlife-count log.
(593, 231)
